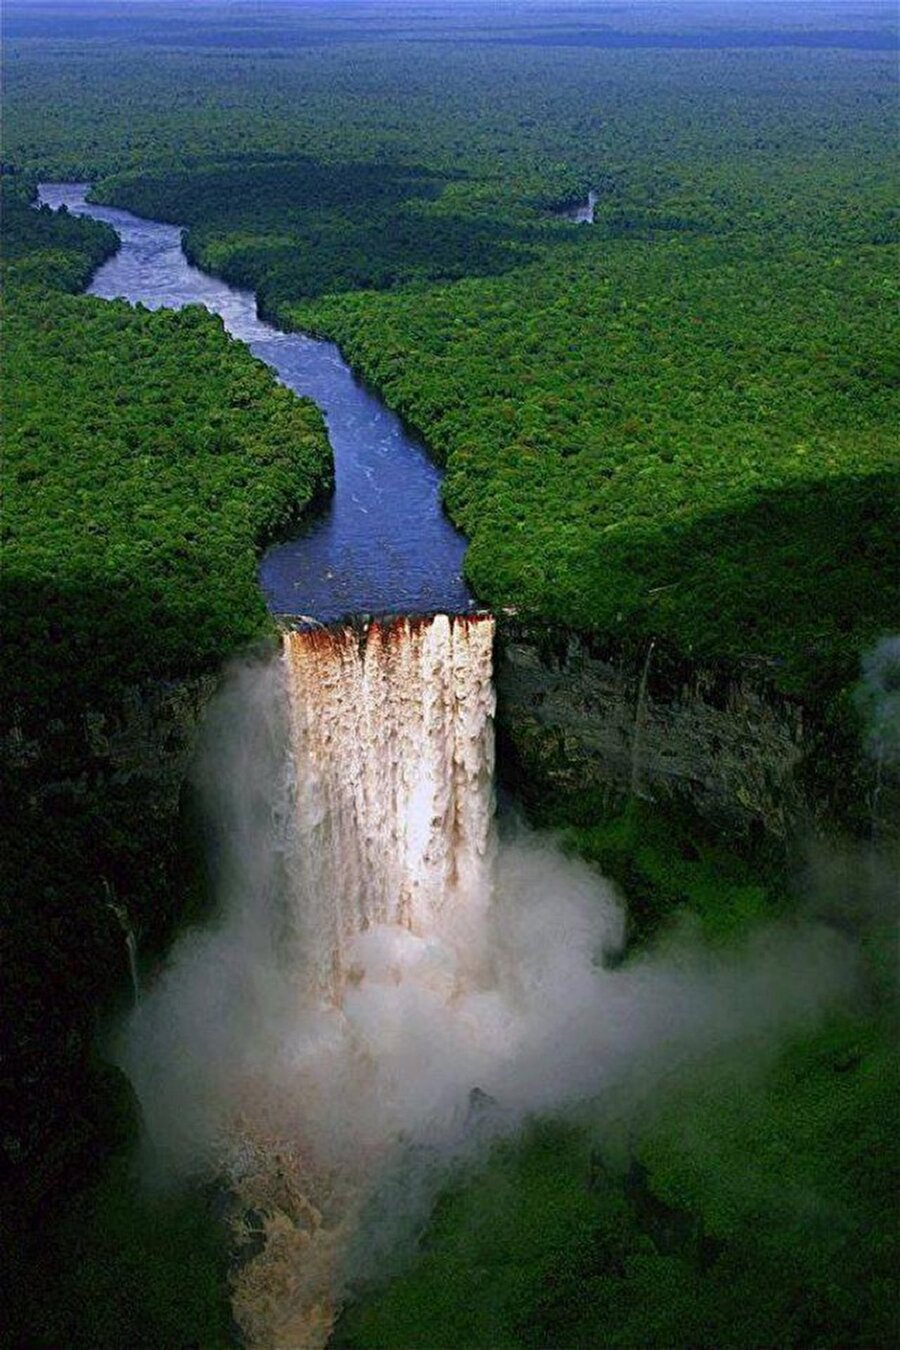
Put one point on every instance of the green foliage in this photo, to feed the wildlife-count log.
(677, 422)
(45, 248)
(749, 1210)
(125, 1265)
(672, 868)
(149, 457)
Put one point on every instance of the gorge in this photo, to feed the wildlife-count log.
(392, 983)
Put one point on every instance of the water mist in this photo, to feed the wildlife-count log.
(387, 978)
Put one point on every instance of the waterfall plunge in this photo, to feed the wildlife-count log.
(378, 957)
(392, 739)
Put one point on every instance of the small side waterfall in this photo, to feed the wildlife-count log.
(392, 738)
(639, 717)
(124, 922)
(131, 949)
(583, 214)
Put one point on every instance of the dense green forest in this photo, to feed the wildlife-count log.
(679, 422)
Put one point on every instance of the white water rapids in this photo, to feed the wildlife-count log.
(386, 985)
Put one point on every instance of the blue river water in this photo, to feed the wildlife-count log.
(383, 545)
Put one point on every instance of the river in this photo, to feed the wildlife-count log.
(383, 544)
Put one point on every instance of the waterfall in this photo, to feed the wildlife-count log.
(385, 829)
(639, 716)
(128, 933)
(392, 739)
(386, 987)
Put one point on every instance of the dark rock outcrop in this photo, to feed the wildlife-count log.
(586, 725)
(93, 850)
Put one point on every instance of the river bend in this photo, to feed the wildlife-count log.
(383, 545)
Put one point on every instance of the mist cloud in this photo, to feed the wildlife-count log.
(443, 1038)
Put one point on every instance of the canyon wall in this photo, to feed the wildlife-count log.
(146, 735)
(583, 726)
(93, 869)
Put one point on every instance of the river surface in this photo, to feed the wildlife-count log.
(384, 544)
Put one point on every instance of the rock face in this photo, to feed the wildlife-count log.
(147, 736)
(584, 725)
(91, 845)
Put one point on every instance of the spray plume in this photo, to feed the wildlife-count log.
(388, 980)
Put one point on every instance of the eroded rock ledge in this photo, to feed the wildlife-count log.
(582, 724)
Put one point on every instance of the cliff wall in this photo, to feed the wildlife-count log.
(91, 851)
(583, 726)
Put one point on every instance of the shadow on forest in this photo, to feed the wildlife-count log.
(795, 574)
(294, 228)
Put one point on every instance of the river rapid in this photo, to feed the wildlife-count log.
(383, 545)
